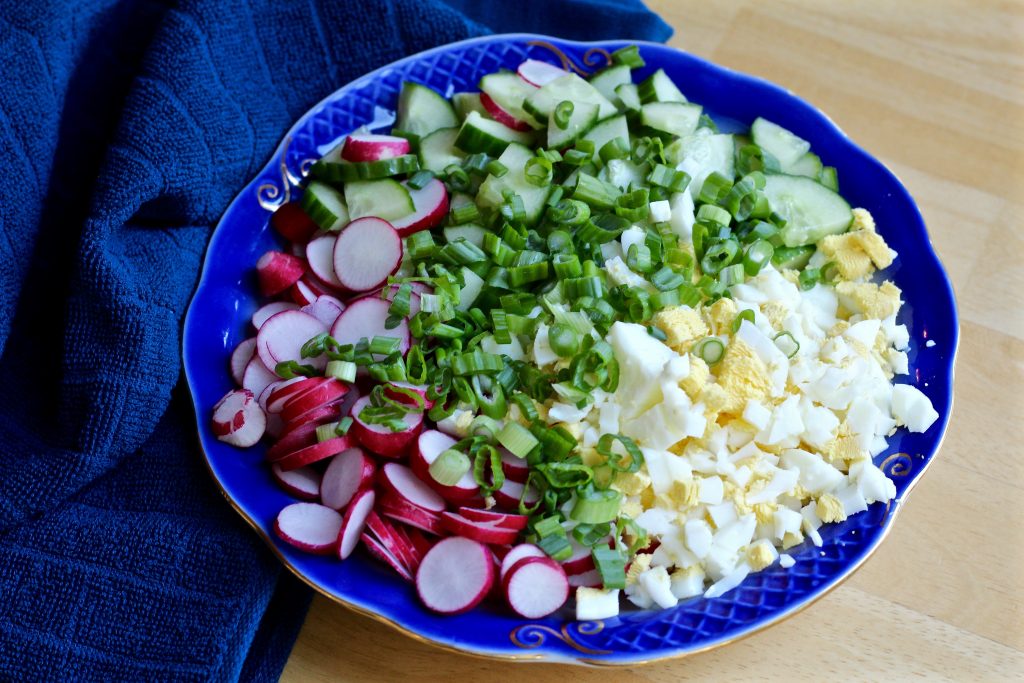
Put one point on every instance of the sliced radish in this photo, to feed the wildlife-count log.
(302, 294)
(389, 536)
(505, 520)
(303, 483)
(309, 526)
(366, 253)
(429, 446)
(421, 543)
(238, 419)
(455, 575)
(402, 398)
(413, 548)
(257, 377)
(298, 249)
(263, 313)
(514, 467)
(379, 551)
(590, 579)
(366, 317)
(484, 532)
(240, 357)
(580, 561)
(265, 394)
(401, 481)
(519, 552)
(292, 223)
(278, 271)
(289, 389)
(300, 437)
(379, 438)
(349, 471)
(371, 147)
(502, 116)
(313, 453)
(320, 255)
(509, 494)
(325, 413)
(397, 508)
(275, 425)
(430, 205)
(282, 336)
(535, 587)
(328, 391)
(326, 308)
(538, 73)
(354, 522)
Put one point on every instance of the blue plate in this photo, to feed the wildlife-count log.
(218, 319)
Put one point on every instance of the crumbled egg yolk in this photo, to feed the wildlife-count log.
(632, 483)
(682, 496)
(721, 314)
(693, 384)
(776, 312)
(869, 299)
(743, 376)
(760, 555)
(860, 251)
(843, 449)
(682, 326)
(641, 563)
(829, 509)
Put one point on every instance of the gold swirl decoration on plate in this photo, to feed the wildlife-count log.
(270, 195)
(595, 57)
(897, 465)
(529, 636)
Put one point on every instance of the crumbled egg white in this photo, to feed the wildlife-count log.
(752, 455)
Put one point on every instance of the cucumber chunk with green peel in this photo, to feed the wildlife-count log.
(421, 111)
(438, 150)
(674, 118)
(808, 165)
(623, 174)
(325, 205)
(792, 257)
(701, 154)
(812, 211)
(485, 135)
(607, 80)
(606, 131)
(347, 171)
(779, 142)
(385, 199)
(569, 87)
(584, 115)
(491, 194)
(658, 87)
(472, 233)
(465, 102)
(628, 96)
(509, 91)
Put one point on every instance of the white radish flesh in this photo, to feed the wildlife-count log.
(430, 208)
(278, 271)
(366, 317)
(538, 73)
(303, 483)
(502, 519)
(403, 482)
(379, 438)
(240, 357)
(520, 552)
(429, 446)
(320, 255)
(354, 522)
(309, 526)
(349, 471)
(289, 389)
(371, 147)
(510, 493)
(326, 309)
(282, 336)
(535, 587)
(455, 575)
(257, 377)
(590, 579)
(397, 508)
(263, 313)
(500, 115)
(366, 253)
(238, 419)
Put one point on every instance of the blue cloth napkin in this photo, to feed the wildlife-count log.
(126, 127)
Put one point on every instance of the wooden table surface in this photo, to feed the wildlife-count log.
(935, 89)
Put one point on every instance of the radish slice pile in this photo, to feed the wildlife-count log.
(365, 253)
(310, 527)
(238, 419)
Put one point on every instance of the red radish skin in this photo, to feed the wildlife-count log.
(320, 256)
(301, 294)
(412, 549)
(430, 207)
(326, 309)
(281, 339)
(455, 576)
(535, 587)
(378, 551)
(371, 147)
(290, 389)
(354, 522)
(309, 526)
(313, 453)
(257, 377)
(303, 483)
(429, 445)
(538, 73)
(300, 437)
(240, 357)
(505, 520)
(519, 552)
(265, 394)
(328, 412)
(502, 116)
(349, 472)
(325, 392)
(298, 249)
(263, 313)
(478, 531)
(238, 419)
(421, 543)
(515, 468)
(278, 271)
(365, 317)
(397, 508)
(379, 438)
(386, 532)
(590, 579)
(292, 223)
(366, 253)
(580, 561)
(275, 425)
(403, 482)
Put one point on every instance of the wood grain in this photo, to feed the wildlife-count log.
(935, 89)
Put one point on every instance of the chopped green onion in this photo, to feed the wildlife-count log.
(715, 187)
(633, 205)
(538, 171)
(420, 179)
(628, 56)
(595, 506)
(719, 256)
(597, 193)
(342, 370)
(563, 112)
(463, 252)
(496, 168)
(517, 439)
(449, 467)
(567, 266)
(384, 345)
(466, 213)
(526, 406)
(521, 275)
(577, 287)
(829, 273)
(421, 245)
(709, 349)
(563, 340)
(669, 178)
(714, 213)
(557, 547)
(616, 148)
(666, 279)
(746, 314)
(611, 565)
(606, 447)
(757, 254)
(326, 432)
(732, 275)
(487, 460)
(638, 258)
(344, 424)
(290, 369)
(809, 277)
(456, 177)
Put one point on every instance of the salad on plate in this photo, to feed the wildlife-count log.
(564, 339)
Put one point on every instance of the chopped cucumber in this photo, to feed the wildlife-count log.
(385, 199)
(471, 288)
(472, 233)
(658, 87)
(584, 115)
(347, 171)
(509, 92)
(811, 210)
(569, 87)
(628, 96)
(438, 150)
(325, 206)
(674, 118)
(808, 165)
(465, 102)
(607, 130)
(421, 111)
(779, 142)
(623, 173)
(484, 135)
(607, 80)
(702, 154)
(514, 158)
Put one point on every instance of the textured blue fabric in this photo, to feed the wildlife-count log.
(126, 127)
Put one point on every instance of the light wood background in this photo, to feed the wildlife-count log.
(934, 88)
